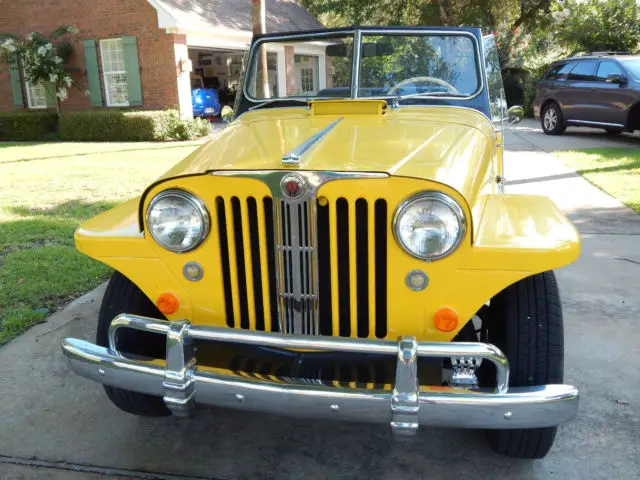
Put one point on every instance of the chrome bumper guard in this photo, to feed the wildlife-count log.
(407, 406)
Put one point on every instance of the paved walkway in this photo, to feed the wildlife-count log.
(53, 416)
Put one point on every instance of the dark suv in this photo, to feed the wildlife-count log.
(599, 90)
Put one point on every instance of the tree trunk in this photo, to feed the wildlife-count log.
(259, 27)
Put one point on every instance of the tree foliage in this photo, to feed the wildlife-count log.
(597, 25)
(511, 20)
(487, 14)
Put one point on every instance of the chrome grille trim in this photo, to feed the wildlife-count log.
(295, 244)
(297, 260)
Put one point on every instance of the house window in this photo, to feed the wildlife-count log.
(36, 96)
(114, 73)
(306, 79)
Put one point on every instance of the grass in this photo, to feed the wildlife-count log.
(613, 170)
(47, 190)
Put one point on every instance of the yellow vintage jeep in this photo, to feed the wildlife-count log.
(344, 250)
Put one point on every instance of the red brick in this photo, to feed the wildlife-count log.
(98, 19)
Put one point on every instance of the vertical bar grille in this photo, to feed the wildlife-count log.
(245, 227)
(305, 267)
(352, 253)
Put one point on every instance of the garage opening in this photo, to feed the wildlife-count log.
(215, 79)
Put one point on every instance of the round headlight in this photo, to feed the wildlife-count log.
(177, 220)
(429, 225)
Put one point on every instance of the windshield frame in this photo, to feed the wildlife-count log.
(357, 34)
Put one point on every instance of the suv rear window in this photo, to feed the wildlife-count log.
(608, 68)
(560, 70)
(583, 71)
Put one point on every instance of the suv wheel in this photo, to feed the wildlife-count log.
(552, 120)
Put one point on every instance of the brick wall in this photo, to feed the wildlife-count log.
(290, 69)
(98, 19)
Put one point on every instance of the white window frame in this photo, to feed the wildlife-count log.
(110, 103)
(30, 104)
(304, 78)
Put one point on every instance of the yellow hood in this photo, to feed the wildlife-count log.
(448, 145)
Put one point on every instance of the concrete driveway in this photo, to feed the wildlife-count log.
(57, 425)
(528, 135)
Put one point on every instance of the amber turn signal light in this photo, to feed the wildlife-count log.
(168, 303)
(446, 319)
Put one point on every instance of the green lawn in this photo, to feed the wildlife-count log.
(46, 190)
(614, 170)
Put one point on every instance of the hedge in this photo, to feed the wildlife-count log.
(123, 126)
(530, 88)
(28, 126)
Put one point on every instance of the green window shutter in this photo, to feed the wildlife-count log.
(93, 77)
(16, 84)
(50, 94)
(132, 67)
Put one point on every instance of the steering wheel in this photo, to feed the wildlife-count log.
(393, 90)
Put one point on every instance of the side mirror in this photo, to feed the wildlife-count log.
(617, 78)
(515, 114)
(227, 114)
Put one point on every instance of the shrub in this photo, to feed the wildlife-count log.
(113, 126)
(530, 88)
(123, 126)
(27, 126)
(179, 129)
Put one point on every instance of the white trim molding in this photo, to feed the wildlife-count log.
(165, 19)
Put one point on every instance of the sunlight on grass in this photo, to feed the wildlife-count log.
(47, 190)
(614, 170)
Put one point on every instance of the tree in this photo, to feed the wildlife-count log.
(258, 14)
(42, 59)
(597, 25)
(487, 14)
(511, 19)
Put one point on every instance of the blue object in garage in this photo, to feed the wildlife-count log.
(205, 102)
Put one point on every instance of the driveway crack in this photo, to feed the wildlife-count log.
(115, 472)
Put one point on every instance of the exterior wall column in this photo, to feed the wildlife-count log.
(282, 73)
(322, 69)
(328, 61)
(183, 78)
(290, 69)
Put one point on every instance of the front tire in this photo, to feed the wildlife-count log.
(123, 296)
(525, 322)
(552, 120)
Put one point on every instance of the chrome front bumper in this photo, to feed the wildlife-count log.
(407, 406)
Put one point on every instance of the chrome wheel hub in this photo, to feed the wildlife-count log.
(550, 119)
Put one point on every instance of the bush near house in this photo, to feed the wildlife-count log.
(122, 126)
(101, 126)
(28, 126)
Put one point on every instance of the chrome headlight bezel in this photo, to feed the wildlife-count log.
(200, 207)
(440, 197)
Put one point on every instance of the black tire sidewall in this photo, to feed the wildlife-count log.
(526, 324)
(123, 296)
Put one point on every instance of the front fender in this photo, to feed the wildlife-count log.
(516, 237)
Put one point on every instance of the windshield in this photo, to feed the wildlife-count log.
(413, 64)
(633, 65)
(390, 64)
